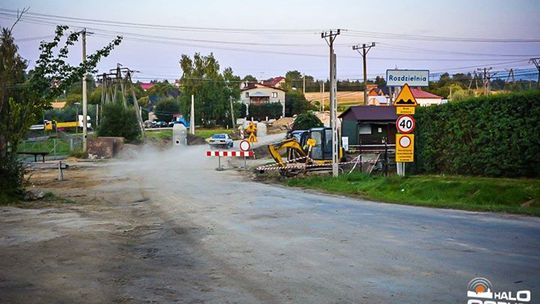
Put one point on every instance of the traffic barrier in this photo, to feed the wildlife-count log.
(230, 153)
(226, 153)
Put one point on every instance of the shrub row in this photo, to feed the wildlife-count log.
(497, 135)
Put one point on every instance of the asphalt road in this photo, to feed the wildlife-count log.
(271, 244)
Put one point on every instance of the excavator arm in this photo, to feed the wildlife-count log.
(293, 148)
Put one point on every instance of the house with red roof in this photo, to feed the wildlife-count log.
(424, 98)
(146, 85)
(276, 82)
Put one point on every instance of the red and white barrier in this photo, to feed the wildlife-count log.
(226, 153)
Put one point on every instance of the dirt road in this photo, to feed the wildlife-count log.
(165, 227)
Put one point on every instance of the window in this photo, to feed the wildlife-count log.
(364, 129)
(274, 94)
(379, 130)
(247, 94)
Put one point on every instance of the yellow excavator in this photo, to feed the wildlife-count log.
(304, 150)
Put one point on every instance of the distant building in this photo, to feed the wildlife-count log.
(376, 97)
(367, 127)
(146, 86)
(276, 82)
(258, 93)
(424, 98)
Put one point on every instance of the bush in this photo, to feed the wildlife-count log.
(490, 136)
(119, 121)
(270, 110)
(306, 121)
(11, 179)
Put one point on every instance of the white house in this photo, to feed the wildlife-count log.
(258, 93)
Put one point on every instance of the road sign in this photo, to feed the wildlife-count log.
(405, 148)
(405, 98)
(405, 110)
(416, 78)
(245, 145)
(405, 124)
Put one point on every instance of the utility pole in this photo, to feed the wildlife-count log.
(192, 116)
(364, 50)
(536, 62)
(486, 77)
(321, 107)
(329, 37)
(232, 112)
(84, 93)
(304, 85)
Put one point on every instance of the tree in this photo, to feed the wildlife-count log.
(163, 89)
(306, 121)
(166, 107)
(12, 77)
(249, 78)
(213, 90)
(296, 103)
(23, 98)
(119, 120)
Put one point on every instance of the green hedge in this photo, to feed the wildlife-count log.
(270, 110)
(497, 135)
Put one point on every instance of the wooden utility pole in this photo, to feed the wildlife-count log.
(329, 38)
(192, 116)
(363, 50)
(232, 112)
(84, 94)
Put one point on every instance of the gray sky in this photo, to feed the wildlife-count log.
(267, 39)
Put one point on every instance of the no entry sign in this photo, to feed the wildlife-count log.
(405, 124)
(245, 145)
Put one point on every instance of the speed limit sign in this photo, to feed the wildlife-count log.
(405, 124)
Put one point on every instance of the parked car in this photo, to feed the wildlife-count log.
(221, 141)
(159, 124)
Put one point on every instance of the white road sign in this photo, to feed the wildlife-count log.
(414, 78)
(245, 145)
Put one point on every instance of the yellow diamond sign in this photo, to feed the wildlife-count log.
(405, 98)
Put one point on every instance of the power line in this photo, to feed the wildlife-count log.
(350, 32)
(397, 36)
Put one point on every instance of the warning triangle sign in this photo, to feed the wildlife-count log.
(405, 97)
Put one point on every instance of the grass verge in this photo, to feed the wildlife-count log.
(55, 146)
(204, 133)
(520, 196)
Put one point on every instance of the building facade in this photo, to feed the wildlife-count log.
(368, 127)
(257, 94)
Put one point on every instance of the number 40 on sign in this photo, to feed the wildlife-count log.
(405, 124)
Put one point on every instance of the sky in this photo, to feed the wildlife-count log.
(267, 39)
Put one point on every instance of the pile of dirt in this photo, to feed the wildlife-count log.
(193, 140)
(283, 122)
